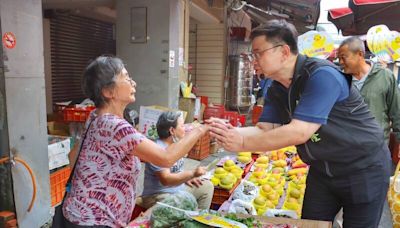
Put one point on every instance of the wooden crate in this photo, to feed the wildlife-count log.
(201, 149)
(221, 195)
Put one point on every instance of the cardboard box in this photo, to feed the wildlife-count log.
(58, 149)
(148, 118)
(57, 128)
(188, 105)
(298, 222)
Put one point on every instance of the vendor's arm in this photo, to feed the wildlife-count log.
(322, 91)
(149, 151)
(172, 179)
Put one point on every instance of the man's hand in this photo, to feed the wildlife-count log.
(227, 136)
(194, 182)
(204, 128)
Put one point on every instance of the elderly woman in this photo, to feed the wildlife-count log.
(161, 182)
(102, 192)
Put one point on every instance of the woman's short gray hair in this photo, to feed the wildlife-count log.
(165, 121)
(100, 74)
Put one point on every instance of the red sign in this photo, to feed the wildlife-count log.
(9, 40)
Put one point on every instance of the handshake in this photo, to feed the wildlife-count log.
(225, 134)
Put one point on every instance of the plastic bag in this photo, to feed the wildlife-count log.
(246, 191)
(166, 217)
(241, 207)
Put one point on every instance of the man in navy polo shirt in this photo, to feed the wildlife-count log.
(312, 105)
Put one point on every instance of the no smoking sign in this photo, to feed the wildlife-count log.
(9, 40)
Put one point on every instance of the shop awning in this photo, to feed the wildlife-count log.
(304, 14)
(363, 14)
(343, 18)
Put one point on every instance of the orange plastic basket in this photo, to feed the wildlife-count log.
(58, 180)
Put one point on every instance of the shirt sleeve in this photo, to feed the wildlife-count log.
(125, 140)
(325, 87)
(154, 168)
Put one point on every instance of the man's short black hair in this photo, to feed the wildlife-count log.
(278, 32)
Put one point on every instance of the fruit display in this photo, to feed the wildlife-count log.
(220, 173)
(244, 159)
(238, 172)
(298, 164)
(281, 178)
(227, 181)
(214, 181)
(260, 204)
(227, 176)
(279, 163)
(229, 164)
(294, 197)
(262, 160)
(298, 171)
(244, 154)
(259, 176)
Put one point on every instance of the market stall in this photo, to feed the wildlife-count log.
(255, 189)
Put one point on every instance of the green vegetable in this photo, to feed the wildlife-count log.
(249, 222)
(169, 217)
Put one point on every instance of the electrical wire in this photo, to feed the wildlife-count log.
(6, 159)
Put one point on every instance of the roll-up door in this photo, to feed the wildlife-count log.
(74, 41)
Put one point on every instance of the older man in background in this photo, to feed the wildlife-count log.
(376, 84)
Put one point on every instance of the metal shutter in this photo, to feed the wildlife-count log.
(74, 41)
(210, 61)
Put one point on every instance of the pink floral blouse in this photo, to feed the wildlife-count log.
(104, 182)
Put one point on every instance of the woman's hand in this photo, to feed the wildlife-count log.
(194, 182)
(227, 136)
(199, 171)
(204, 128)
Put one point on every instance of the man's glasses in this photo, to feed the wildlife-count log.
(258, 54)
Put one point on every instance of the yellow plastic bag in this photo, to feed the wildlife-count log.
(394, 197)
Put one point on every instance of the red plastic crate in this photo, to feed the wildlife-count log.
(257, 110)
(58, 180)
(214, 111)
(232, 117)
(242, 119)
(247, 168)
(77, 114)
(201, 149)
(204, 100)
